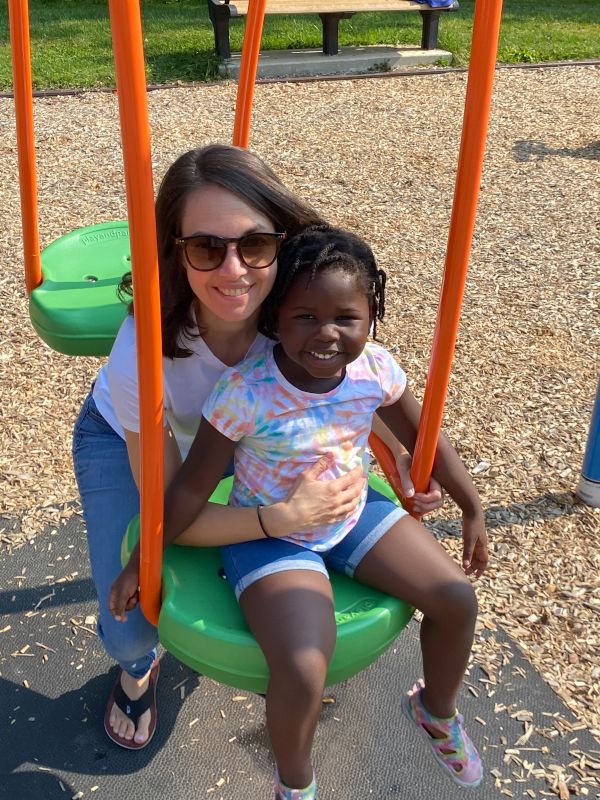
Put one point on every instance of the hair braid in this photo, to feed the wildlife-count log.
(320, 247)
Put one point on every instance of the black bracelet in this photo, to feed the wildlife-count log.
(262, 527)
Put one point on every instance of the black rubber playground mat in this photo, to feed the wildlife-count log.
(211, 740)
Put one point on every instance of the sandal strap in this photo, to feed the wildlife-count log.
(133, 709)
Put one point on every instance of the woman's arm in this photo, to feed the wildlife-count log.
(172, 456)
(189, 518)
(187, 494)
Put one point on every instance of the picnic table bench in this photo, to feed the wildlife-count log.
(330, 12)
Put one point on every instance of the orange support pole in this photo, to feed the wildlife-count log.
(248, 67)
(486, 27)
(128, 50)
(18, 12)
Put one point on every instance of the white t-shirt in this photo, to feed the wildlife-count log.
(187, 382)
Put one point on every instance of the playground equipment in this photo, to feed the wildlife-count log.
(74, 309)
(589, 483)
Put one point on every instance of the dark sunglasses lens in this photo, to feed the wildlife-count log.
(204, 252)
(259, 250)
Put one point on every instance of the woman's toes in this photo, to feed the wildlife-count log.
(120, 724)
(141, 733)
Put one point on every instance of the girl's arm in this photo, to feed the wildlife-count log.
(403, 420)
(190, 520)
(423, 502)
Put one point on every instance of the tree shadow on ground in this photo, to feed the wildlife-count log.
(65, 733)
(546, 506)
(528, 150)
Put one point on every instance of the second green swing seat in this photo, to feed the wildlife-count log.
(201, 623)
(76, 308)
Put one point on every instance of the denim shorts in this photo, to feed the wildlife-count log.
(247, 562)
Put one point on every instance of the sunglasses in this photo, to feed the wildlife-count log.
(255, 250)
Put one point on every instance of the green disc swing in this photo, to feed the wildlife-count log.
(75, 309)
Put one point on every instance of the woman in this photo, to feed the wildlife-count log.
(221, 215)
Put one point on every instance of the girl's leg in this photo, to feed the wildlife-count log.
(409, 563)
(291, 615)
(110, 499)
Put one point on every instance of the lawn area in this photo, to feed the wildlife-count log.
(71, 45)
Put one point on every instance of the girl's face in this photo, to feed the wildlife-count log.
(233, 292)
(322, 327)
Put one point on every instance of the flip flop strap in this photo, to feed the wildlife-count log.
(133, 709)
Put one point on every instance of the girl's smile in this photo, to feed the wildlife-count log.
(322, 327)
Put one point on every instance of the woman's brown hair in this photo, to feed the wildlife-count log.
(239, 171)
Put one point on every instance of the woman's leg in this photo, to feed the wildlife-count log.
(291, 615)
(110, 499)
(409, 563)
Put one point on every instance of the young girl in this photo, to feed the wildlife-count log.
(314, 394)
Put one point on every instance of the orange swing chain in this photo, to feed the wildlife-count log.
(248, 67)
(18, 12)
(132, 100)
(128, 50)
(486, 27)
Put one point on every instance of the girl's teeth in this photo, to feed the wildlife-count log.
(323, 356)
(235, 292)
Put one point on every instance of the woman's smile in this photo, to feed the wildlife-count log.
(238, 291)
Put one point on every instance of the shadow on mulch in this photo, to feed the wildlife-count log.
(547, 506)
(527, 150)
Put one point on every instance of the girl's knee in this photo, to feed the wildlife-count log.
(303, 672)
(456, 603)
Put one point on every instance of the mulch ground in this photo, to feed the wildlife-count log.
(379, 156)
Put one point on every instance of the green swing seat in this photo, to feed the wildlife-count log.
(75, 309)
(201, 623)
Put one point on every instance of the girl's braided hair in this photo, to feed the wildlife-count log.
(321, 247)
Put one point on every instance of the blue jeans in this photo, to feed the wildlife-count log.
(109, 498)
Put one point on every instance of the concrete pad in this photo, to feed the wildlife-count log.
(350, 60)
(211, 740)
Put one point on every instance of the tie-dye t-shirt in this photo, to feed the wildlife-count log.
(282, 430)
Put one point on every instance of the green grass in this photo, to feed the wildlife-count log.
(71, 44)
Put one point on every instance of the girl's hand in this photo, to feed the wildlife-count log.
(124, 593)
(313, 502)
(475, 545)
(423, 502)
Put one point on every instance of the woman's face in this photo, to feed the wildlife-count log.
(233, 292)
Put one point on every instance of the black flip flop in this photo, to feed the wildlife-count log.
(133, 709)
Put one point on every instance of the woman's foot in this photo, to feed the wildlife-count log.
(130, 720)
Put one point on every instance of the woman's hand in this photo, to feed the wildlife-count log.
(422, 502)
(475, 545)
(124, 593)
(313, 502)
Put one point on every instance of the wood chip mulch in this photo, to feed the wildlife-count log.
(379, 156)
